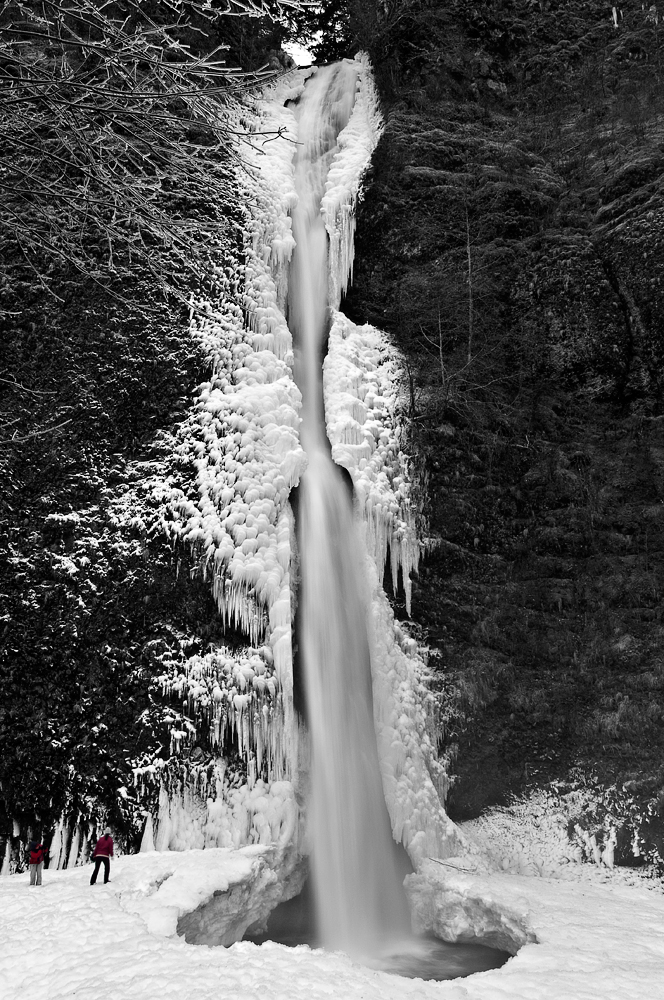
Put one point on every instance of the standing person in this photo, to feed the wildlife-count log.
(36, 854)
(103, 852)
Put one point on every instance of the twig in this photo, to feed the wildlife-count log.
(47, 430)
(457, 868)
(34, 392)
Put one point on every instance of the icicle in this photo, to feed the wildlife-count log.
(7, 858)
(355, 146)
(72, 856)
(163, 823)
(56, 851)
(147, 841)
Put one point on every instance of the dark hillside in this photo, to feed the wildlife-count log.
(511, 242)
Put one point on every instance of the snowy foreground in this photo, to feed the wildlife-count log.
(597, 937)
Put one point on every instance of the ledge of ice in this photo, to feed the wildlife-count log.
(168, 886)
(246, 903)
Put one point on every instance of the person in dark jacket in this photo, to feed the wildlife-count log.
(103, 853)
(36, 854)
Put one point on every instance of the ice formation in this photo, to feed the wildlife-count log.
(237, 693)
(362, 402)
(362, 409)
(242, 437)
(356, 143)
(414, 780)
(263, 813)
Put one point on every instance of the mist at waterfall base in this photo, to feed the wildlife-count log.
(356, 901)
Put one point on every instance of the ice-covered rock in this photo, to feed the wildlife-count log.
(355, 145)
(241, 438)
(362, 379)
(414, 780)
(459, 908)
(275, 877)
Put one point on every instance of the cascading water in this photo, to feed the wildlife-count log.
(359, 901)
(360, 905)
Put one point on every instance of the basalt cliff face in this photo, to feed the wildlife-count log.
(511, 242)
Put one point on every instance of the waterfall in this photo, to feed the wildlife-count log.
(360, 904)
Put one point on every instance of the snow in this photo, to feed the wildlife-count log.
(597, 939)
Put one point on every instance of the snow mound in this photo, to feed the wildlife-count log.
(541, 834)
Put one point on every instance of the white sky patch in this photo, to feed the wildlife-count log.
(299, 53)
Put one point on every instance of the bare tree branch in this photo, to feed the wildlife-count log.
(118, 143)
(15, 439)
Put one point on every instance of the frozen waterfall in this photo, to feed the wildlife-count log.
(360, 904)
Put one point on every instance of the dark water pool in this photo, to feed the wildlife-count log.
(293, 923)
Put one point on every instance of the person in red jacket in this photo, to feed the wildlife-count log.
(36, 854)
(103, 853)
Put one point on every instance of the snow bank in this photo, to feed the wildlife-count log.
(460, 909)
(165, 888)
(530, 837)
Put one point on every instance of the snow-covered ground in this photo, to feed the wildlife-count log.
(597, 938)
